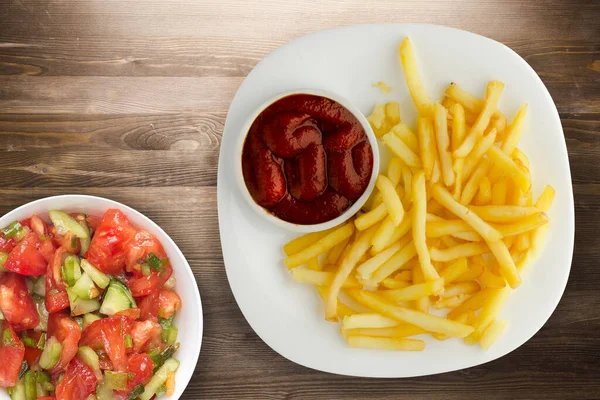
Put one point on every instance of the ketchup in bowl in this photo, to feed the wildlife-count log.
(306, 159)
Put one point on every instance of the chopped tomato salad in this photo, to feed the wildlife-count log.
(87, 309)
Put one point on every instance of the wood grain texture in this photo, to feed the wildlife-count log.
(127, 100)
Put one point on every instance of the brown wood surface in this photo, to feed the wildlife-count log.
(127, 99)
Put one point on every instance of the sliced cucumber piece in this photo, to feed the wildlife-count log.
(103, 392)
(51, 353)
(84, 288)
(159, 378)
(72, 270)
(29, 381)
(88, 319)
(64, 223)
(41, 308)
(90, 358)
(12, 229)
(81, 306)
(17, 392)
(115, 380)
(117, 298)
(85, 241)
(99, 277)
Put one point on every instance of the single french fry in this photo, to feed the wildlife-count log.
(392, 112)
(504, 162)
(465, 99)
(384, 343)
(366, 269)
(524, 225)
(393, 264)
(321, 246)
(357, 250)
(436, 174)
(399, 232)
(321, 278)
(456, 289)
(415, 87)
(428, 322)
(367, 320)
(492, 333)
(545, 200)
(427, 148)
(499, 193)
(415, 291)
(454, 270)
(480, 226)
(400, 149)
(394, 172)
(370, 218)
(443, 144)
(507, 266)
(503, 214)
(458, 126)
(402, 330)
(407, 136)
(390, 199)
(302, 242)
(481, 147)
(498, 122)
(423, 304)
(490, 310)
(419, 216)
(474, 181)
(514, 131)
(473, 303)
(494, 90)
(484, 194)
(407, 184)
(458, 251)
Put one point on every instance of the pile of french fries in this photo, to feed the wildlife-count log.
(449, 229)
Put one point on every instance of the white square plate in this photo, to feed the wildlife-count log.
(289, 316)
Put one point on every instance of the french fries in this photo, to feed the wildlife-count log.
(451, 226)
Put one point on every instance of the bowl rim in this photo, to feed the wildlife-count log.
(350, 211)
(187, 369)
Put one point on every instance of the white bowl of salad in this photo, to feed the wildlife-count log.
(96, 303)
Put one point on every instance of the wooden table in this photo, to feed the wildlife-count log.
(127, 100)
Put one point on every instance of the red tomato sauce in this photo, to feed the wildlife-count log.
(306, 159)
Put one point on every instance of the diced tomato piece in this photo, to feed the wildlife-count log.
(140, 367)
(107, 250)
(56, 294)
(168, 303)
(32, 354)
(25, 258)
(11, 355)
(140, 246)
(146, 335)
(108, 335)
(6, 245)
(68, 333)
(47, 250)
(16, 303)
(66, 241)
(26, 222)
(149, 306)
(38, 225)
(78, 383)
(133, 313)
(141, 285)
